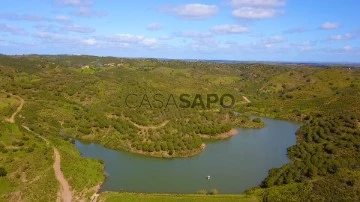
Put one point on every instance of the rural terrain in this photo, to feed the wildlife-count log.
(48, 102)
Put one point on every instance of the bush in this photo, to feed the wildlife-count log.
(257, 120)
(213, 192)
(2, 172)
(202, 191)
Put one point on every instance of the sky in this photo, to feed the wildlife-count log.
(243, 30)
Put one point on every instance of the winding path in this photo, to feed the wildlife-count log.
(12, 118)
(65, 191)
(150, 127)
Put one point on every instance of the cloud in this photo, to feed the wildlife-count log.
(53, 37)
(330, 25)
(88, 12)
(254, 13)
(63, 19)
(344, 50)
(76, 3)
(256, 9)
(229, 29)
(80, 29)
(273, 40)
(339, 37)
(25, 17)
(60, 39)
(11, 29)
(166, 37)
(347, 48)
(154, 26)
(125, 40)
(258, 3)
(303, 45)
(193, 11)
(89, 42)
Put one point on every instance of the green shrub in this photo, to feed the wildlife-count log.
(213, 192)
(2, 172)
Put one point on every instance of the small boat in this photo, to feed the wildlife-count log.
(208, 177)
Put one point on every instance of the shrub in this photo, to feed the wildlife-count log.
(257, 120)
(202, 191)
(213, 192)
(2, 172)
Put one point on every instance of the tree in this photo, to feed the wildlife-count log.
(257, 120)
(3, 172)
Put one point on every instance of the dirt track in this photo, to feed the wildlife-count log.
(246, 99)
(65, 191)
(12, 118)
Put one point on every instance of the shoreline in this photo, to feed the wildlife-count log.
(166, 155)
(221, 136)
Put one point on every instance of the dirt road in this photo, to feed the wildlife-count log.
(246, 99)
(65, 192)
(12, 118)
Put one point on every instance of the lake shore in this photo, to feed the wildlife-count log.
(221, 136)
(176, 154)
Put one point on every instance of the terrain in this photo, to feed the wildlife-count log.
(62, 98)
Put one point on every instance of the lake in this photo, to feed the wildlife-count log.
(234, 165)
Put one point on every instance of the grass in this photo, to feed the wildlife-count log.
(134, 197)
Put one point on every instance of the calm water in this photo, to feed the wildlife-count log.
(234, 165)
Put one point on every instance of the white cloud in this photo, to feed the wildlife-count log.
(88, 12)
(127, 39)
(89, 42)
(193, 11)
(25, 17)
(303, 45)
(154, 26)
(229, 29)
(80, 3)
(347, 48)
(339, 37)
(273, 40)
(12, 29)
(254, 13)
(258, 3)
(166, 37)
(79, 28)
(63, 18)
(330, 25)
(148, 42)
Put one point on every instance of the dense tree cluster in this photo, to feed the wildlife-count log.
(326, 145)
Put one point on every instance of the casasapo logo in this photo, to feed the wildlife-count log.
(159, 100)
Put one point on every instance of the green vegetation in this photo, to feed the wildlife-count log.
(83, 97)
(28, 164)
(2, 172)
(325, 163)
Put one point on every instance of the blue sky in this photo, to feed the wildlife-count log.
(259, 30)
